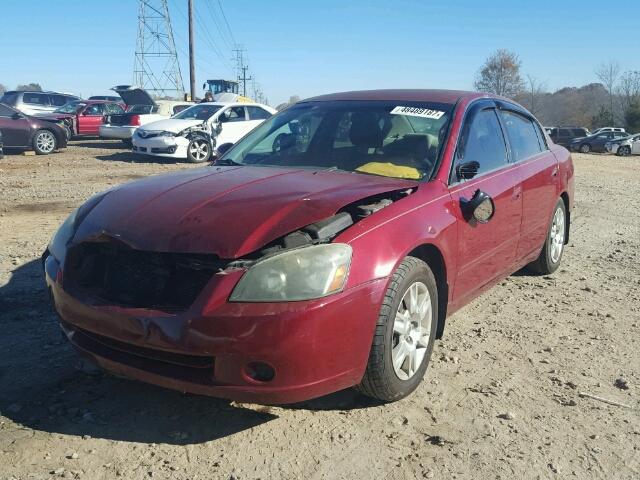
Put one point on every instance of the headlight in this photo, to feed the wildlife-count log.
(301, 274)
(166, 134)
(58, 244)
(64, 234)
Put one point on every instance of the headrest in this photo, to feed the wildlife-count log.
(365, 130)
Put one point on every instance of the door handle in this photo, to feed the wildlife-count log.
(554, 172)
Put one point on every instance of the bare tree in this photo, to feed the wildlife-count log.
(2, 89)
(608, 73)
(536, 90)
(30, 86)
(500, 74)
(628, 91)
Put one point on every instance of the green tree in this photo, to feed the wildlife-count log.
(604, 118)
(500, 74)
(30, 86)
(632, 117)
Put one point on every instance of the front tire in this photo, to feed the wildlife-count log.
(44, 142)
(624, 151)
(549, 259)
(585, 148)
(198, 150)
(405, 333)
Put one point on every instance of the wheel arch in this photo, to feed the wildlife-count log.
(432, 256)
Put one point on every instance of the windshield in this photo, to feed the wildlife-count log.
(393, 139)
(71, 107)
(198, 112)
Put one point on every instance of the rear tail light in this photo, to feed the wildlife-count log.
(135, 120)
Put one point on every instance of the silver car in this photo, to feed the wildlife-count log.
(625, 146)
(32, 103)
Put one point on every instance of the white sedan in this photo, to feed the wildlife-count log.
(195, 132)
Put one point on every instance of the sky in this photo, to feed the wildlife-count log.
(308, 48)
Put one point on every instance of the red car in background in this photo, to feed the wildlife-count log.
(83, 117)
(324, 250)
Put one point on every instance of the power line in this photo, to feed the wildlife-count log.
(226, 22)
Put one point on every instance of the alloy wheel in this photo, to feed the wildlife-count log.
(46, 142)
(199, 150)
(556, 235)
(411, 331)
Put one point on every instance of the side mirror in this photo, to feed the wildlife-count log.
(222, 149)
(480, 208)
(17, 116)
(467, 170)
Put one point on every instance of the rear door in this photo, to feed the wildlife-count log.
(90, 119)
(538, 169)
(485, 251)
(15, 131)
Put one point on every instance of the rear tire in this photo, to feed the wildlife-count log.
(405, 332)
(199, 150)
(549, 259)
(44, 142)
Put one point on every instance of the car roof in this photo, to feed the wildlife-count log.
(234, 104)
(42, 91)
(414, 95)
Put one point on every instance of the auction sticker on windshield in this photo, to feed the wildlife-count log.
(417, 112)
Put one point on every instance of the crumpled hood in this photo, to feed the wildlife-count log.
(170, 125)
(228, 211)
(54, 116)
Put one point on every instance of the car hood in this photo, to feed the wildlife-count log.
(133, 95)
(170, 125)
(227, 211)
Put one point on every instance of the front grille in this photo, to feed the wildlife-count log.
(112, 273)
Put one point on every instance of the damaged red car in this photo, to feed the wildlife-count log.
(324, 250)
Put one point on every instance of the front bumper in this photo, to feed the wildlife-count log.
(170, 147)
(121, 132)
(314, 347)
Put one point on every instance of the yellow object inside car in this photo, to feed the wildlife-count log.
(390, 170)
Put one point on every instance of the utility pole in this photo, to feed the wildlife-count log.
(192, 63)
(244, 80)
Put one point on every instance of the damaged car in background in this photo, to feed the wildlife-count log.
(324, 250)
(194, 133)
(141, 108)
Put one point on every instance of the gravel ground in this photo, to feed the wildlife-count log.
(503, 397)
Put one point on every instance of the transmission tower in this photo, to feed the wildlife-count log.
(156, 67)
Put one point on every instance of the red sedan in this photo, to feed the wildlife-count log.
(83, 117)
(324, 250)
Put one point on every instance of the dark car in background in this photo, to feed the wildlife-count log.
(595, 143)
(83, 117)
(564, 135)
(30, 133)
(31, 103)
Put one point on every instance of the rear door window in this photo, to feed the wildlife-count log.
(113, 109)
(522, 134)
(258, 113)
(35, 98)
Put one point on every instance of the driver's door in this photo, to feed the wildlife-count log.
(90, 119)
(486, 251)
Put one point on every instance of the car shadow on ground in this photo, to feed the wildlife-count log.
(42, 386)
(131, 157)
(98, 143)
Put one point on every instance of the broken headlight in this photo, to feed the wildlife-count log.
(300, 274)
(58, 244)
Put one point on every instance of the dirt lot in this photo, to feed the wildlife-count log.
(502, 398)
